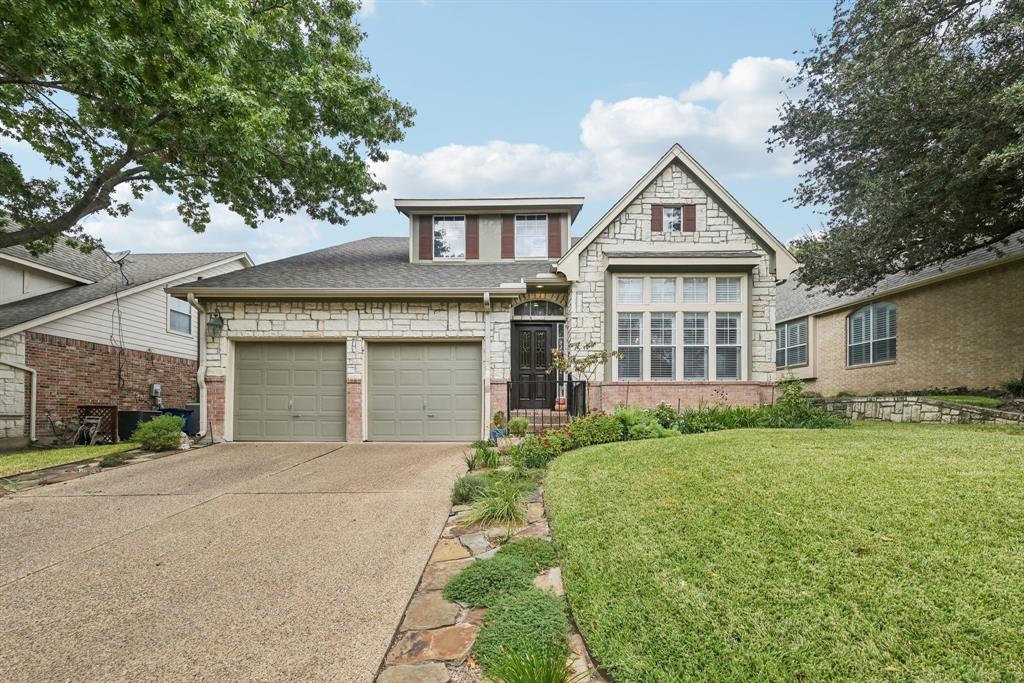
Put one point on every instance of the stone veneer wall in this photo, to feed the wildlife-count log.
(356, 322)
(914, 409)
(13, 387)
(714, 226)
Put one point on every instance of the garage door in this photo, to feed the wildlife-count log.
(289, 391)
(424, 391)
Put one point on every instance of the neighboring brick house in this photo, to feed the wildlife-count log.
(955, 324)
(424, 337)
(95, 333)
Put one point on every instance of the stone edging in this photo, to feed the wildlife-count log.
(914, 409)
(432, 643)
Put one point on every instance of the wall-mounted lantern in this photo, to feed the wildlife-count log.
(215, 324)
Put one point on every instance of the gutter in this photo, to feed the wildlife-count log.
(201, 370)
(510, 290)
(32, 402)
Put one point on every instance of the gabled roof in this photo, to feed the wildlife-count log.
(374, 265)
(795, 300)
(785, 263)
(141, 270)
(61, 260)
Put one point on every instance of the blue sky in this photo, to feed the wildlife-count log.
(524, 98)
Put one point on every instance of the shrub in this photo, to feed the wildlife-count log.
(642, 424)
(471, 460)
(518, 426)
(488, 457)
(534, 452)
(482, 583)
(560, 441)
(595, 428)
(162, 433)
(528, 621)
(468, 488)
(539, 665)
(498, 420)
(1015, 387)
(538, 552)
(499, 504)
(666, 415)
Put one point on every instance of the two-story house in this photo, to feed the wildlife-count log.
(420, 338)
(82, 331)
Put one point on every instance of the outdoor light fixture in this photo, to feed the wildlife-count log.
(215, 324)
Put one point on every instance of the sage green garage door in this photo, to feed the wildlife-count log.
(424, 391)
(289, 391)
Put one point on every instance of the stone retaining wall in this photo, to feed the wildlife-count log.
(914, 409)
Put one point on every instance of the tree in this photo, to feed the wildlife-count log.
(265, 106)
(911, 130)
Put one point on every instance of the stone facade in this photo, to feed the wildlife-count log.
(962, 332)
(715, 226)
(14, 385)
(915, 409)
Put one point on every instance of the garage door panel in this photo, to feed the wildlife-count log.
(277, 381)
(408, 381)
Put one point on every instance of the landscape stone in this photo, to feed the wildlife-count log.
(436, 575)
(534, 512)
(487, 555)
(475, 616)
(433, 672)
(448, 549)
(550, 581)
(536, 530)
(446, 644)
(476, 542)
(430, 610)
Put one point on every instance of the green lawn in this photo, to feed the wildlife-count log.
(26, 461)
(872, 553)
(980, 401)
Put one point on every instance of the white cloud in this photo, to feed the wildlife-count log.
(367, 7)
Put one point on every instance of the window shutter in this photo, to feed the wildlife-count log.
(472, 237)
(554, 235)
(426, 238)
(508, 236)
(657, 216)
(689, 218)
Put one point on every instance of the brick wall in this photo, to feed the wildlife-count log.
(215, 406)
(73, 373)
(968, 331)
(607, 396)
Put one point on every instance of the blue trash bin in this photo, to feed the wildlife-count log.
(188, 414)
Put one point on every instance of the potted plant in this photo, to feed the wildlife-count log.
(499, 426)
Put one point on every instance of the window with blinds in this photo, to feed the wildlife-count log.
(663, 290)
(695, 290)
(727, 290)
(630, 345)
(727, 346)
(630, 290)
(663, 345)
(791, 344)
(871, 334)
(695, 346)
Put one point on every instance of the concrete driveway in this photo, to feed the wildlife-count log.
(256, 562)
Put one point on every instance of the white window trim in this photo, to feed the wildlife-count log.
(674, 345)
(433, 237)
(515, 229)
(785, 349)
(711, 308)
(191, 319)
(644, 344)
(871, 338)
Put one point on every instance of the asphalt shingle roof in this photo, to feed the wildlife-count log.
(91, 266)
(373, 263)
(795, 300)
(138, 268)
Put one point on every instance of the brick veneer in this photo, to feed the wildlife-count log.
(354, 410)
(72, 373)
(215, 406)
(607, 396)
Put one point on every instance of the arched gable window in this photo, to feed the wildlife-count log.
(538, 309)
(871, 334)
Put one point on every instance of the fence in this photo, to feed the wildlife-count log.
(547, 403)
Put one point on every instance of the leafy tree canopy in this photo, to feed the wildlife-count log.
(911, 126)
(265, 106)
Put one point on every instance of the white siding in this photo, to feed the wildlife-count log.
(143, 321)
(18, 282)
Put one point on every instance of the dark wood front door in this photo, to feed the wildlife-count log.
(532, 386)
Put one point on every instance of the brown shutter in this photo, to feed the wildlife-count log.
(656, 217)
(508, 236)
(689, 218)
(426, 238)
(472, 237)
(554, 235)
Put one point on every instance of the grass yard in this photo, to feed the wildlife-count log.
(980, 401)
(874, 553)
(37, 459)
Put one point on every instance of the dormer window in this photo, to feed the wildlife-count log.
(449, 237)
(673, 218)
(532, 236)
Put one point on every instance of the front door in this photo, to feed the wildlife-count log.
(532, 385)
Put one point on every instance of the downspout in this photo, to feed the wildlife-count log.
(201, 370)
(32, 401)
(487, 361)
